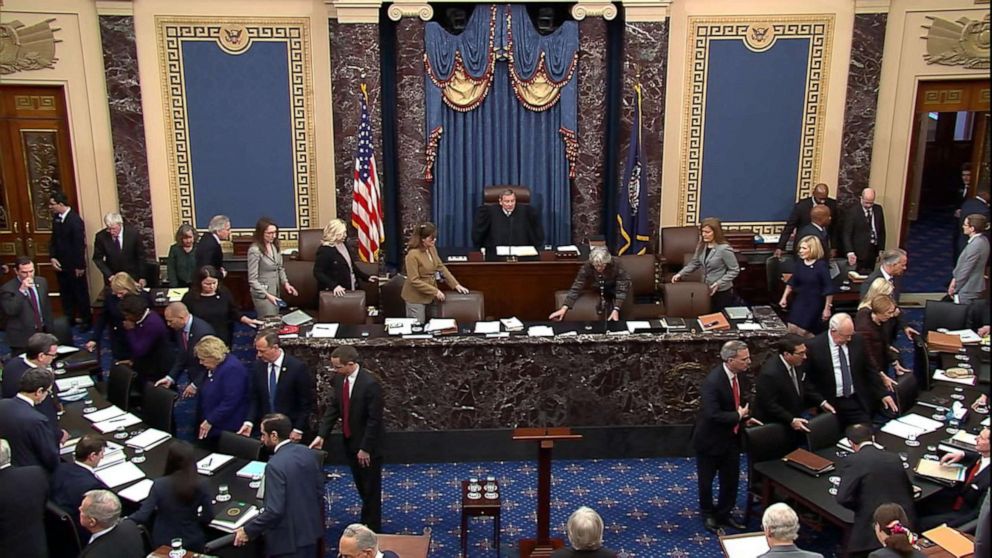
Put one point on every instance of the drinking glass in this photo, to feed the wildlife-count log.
(121, 433)
(222, 493)
(88, 405)
(176, 549)
(911, 441)
(139, 456)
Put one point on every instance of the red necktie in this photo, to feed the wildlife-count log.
(737, 400)
(959, 501)
(185, 339)
(35, 309)
(345, 409)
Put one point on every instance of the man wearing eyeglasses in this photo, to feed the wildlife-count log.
(358, 541)
(26, 430)
(41, 352)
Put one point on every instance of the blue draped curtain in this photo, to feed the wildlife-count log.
(501, 109)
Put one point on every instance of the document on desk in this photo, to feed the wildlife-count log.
(211, 463)
(148, 439)
(540, 331)
(78, 382)
(487, 327)
(123, 421)
(512, 324)
(176, 295)
(138, 491)
(951, 540)
(400, 326)
(967, 380)
(902, 429)
(746, 545)
(120, 474)
(441, 325)
(104, 414)
(927, 424)
(519, 251)
(967, 335)
(324, 331)
(633, 326)
(66, 349)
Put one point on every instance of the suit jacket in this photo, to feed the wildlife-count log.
(185, 359)
(23, 491)
(224, 396)
(869, 478)
(29, 435)
(294, 488)
(69, 484)
(776, 399)
(12, 372)
(972, 492)
(209, 252)
(896, 284)
(68, 242)
(175, 518)
(331, 269)
(365, 414)
(857, 232)
(789, 551)
(20, 316)
(493, 228)
(719, 268)
(969, 272)
(421, 267)
(266, 273)
(889, 553)
(819, 364)
(876, 339)
(800, 218)
(294, 392)
(812, 230)
(714, 434)
(110, 259)
(602, 552)
(123, 541)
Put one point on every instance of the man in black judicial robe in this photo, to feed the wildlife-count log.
(507, 224)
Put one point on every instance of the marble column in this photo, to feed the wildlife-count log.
(862, 102)
(414, 191)
(127, 125)
(354, 51)
(645, 51)
(587, 191)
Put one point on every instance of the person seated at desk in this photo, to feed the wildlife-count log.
(212, 302)
(507, 224)
(959, 505)
(358, 541)
(179, 502)
(335, 268)
(601, 272)
(585, 533)
(41, 353)
(72, 480)
(781, 526)
(180, 264)
(111, 537)
(892, 531)
(719, 264)
(224, 397)
(121, 285)
(870, 324)
(422, 266)
(148, 339)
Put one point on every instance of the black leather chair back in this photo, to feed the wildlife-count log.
(239, 446)
(824, 431)
(60, 529)
(157, 407)
(940, 314)
(119, 385)
(907, 391)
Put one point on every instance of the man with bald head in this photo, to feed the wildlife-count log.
(864, 233)
(800, 216)
(187, 331)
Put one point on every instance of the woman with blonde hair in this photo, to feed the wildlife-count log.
(422, 264)
(335, 268)
(718, 261)
(121, 285)
(224, 393)
(813, 288)
(266, 275)
(870, 322)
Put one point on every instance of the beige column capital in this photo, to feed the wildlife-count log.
(410, 8)
(354, 11)
(646, 10)
(586, 8)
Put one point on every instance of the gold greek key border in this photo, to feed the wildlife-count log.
(702, 30)
(171, 32)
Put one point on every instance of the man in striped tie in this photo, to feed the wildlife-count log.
(960, 504)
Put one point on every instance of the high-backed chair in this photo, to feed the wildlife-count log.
(300, 275)
(907, 391)
(310, 240)
(584, 309)
(921, 362)
(390, 298)
(646, 300)
(676, 242)
(763, 443)
(686, 299)
(158, 406)
(464, 308)
(490, 194)
(119, 385)
(824, 431)
(239, 446)
(63, 538)
(371, 289)
(350, 308)
(940, 314)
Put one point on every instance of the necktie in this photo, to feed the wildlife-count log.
(117, 242)
(185, 339)
(737, 400)
(845, 373)
(871, 225)
(795, 379)
(272, 387)
(35, 309)
(959, 501)
(345, 409)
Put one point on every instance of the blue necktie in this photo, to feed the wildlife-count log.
(272, 388)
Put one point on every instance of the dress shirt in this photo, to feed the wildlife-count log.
(25, 398)
(278, 364)
(351, 381)
(61, 216)
(343, 250)
(99, 534)
(279, 445)
(792, 373)
(838, 376)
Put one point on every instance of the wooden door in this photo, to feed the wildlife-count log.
(35, 160)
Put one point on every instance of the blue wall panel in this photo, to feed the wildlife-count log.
(240, 134)
(754, 111)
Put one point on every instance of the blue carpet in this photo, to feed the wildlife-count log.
(930, 249)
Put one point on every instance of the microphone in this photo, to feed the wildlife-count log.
(601, 307)
(692, 301)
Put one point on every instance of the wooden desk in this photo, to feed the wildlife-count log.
(522, 289)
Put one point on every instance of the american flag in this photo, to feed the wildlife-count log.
(366, 209)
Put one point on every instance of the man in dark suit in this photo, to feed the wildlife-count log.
(819, 227)
(280, 383)
(25, 302)
(864, 232)
(723, 412)
(67, 249)
(27, 430)
(117, 249)
(188, 331)
(893, 266)
(870, 477)
(507, 224)
(358, 541)
(208, 250)
(781, 526)
(357, 401)
(40, 353)
(783, 393)
(960, 504)
(839, 369)
(294, 487)
(800, 217)
(72, 481)
(23, 491)
(111, 537)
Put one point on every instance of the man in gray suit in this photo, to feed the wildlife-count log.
(25, 302)
(968, 283)
(781, 526)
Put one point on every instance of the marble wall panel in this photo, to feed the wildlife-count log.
(120, 60)
(587, 190)
(860, 110)
(414, 198)
(354, 51)
(645, 52)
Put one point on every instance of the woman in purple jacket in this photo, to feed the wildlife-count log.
(224, 393)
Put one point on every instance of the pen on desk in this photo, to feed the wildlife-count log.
(209, 461)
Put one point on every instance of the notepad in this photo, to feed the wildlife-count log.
(77, 382)
(400, 326)
(297, 318)
(120, 474)
(124, 421)
(324, 331)
(138, 491)
(512, 324)
(176, 295)
(540, 331)
(966, 335)
(104, 414)
(211, 463)
(441, 325)
(252, 469)
(519, 251)
(148, 439)
(633, 326)
(487, 327)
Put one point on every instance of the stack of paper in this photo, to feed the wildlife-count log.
(568, 248)
(487, 327)
(320, 331)
(233, 516)
(400, 326)
(911, 425)
(112, 455)
(211, 463)
(104, 414)
(66, 349)
(512, 324)
(69, 446)
(540, 331)
(148, 439)
(519, 251)
(737, 312)
(74, 383)
(967, 335)
(120, 474)
(123, 421)
(965, 440)
(137, 491)
(176, 295)
(441, 325)
(633, 326)
(934, 469)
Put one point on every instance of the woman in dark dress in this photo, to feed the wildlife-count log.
(210, 301)
(811, 283)
(121, 285)
(179, 502)
(870, 323)
(148, 338)
(335, 268)
(180, 265)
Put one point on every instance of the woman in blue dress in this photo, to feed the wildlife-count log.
(811, 283)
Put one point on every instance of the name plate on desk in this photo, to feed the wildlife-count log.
(518, 251)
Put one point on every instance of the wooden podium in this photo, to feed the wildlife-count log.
(543, 545)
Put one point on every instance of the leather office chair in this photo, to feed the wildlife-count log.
(921, 362)
(300, 275)
(907, 391)
(686, 300)
(119, 385)
(645, 299)
(940, 314)
(763, 443)
(464, 308)
(391, 299)
(239, 446)
(371, 289)
(491, 194)
(158, 407)
(347, 309)
(584, 309)
(676, 242)
(310, 240)
(824, 431)
(60, 527)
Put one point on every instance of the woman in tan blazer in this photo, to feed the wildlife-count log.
(422, 265)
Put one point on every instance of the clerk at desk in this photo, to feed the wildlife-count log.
(507, 224)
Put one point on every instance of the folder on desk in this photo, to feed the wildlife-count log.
(120, 474)
(77, 382)
(714, 322)
(104, 414)
(954, 472)
(943, 342)
(808, 462)
(951, 540)
(148, 439)
(138, 491)
(233, 516)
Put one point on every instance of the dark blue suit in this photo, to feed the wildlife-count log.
(291, 521)
(29, 435)
(123, 541)
(294, 392)
(12, 372)
(186, 360)
(68, 246)
(175, 518)
(209, 252)
(224, 396)
(69, 484)
(23, 491)
(717, 445)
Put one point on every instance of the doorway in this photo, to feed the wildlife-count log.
(951, 125)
